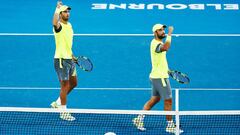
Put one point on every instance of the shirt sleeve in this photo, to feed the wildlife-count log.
(158, 48)
(57, 29)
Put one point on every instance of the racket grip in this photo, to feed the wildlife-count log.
(77, 63)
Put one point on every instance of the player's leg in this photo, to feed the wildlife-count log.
(156, 95)
(150, 103)
(166, 93)
(62, 99)
(62, 68)
(73, 77)
(167, 96)
(58, 66)
(168, 107)
(138, 121)
(65, 87)
(73, 83)
(155, 98)
(171, 127)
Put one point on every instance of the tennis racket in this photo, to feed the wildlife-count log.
(84, 63)
(179, 76)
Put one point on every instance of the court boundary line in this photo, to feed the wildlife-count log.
(138, 89)
(176, 35)
(89, 111)
(111, 111)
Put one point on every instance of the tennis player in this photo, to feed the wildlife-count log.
(64, 59)
(161, 88)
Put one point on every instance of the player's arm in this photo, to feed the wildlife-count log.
(167, 43)
(55, 21)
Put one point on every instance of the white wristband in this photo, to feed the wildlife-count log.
(169, 39)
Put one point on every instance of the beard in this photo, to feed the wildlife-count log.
(161, 36)
(65, 18)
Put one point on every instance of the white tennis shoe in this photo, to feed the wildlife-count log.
(54, 105)
(67, 116)
(63, 115)
(171, 128)
(139, 124)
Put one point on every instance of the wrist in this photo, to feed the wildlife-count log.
(169, 39)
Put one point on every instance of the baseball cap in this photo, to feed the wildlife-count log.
(64, 7)
(158, 26)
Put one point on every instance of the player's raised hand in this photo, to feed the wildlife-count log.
(170, 30)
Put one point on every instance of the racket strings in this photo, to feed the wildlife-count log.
(182, 78)
(85, 63)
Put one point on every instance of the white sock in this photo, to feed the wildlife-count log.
(58, 101)
(171, 123)
(63, 106)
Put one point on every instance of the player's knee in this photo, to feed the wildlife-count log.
(65, 86)
(74, 84)
(64, 83)
(155, 99)
(168, 101)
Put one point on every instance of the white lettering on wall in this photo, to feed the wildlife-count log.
(160, 6)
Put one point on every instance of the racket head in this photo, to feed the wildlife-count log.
(179, 76)
(84, 63)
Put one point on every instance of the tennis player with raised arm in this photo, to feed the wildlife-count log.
(161, 88)
(64, 59)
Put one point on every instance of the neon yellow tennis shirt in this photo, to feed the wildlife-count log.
(63, 40)
(159, 62)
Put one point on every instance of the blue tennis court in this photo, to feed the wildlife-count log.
(205, 45)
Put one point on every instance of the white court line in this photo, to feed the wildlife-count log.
(110, 111)
(139, 89)
(185, 35)
(57, 88)
(91, 111)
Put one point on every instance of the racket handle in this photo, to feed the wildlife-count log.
(77, 63)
